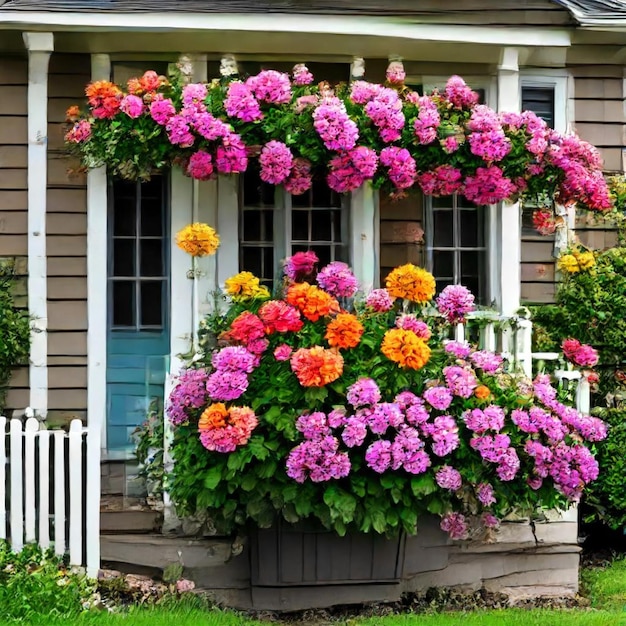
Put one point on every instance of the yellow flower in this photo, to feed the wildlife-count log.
(244, 284)
(586, 260)
(411, 283)
(568, 263)
(198, 239)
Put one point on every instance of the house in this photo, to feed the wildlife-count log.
(107, 288)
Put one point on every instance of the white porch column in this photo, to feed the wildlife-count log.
(39, 46)
(97, 227)
(364, 236)
(509, 228)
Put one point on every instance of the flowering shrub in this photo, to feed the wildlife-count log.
(360, 414)
(444, 142)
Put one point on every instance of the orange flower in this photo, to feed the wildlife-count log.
(411, 283)
(72, 114)
(134, 86)
(317, 366)
(198, 239)
(101, 90)
(150, 81)
(312, 301)
(482, 392)
(405, 348)
(214, 416)
(344, 331)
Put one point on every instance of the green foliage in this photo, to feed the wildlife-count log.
(14, 333)
(35, 584)
(148, 438)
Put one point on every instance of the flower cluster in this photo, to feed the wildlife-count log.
(579, 354)
(443, 141)
(576, 261)
(198, 239)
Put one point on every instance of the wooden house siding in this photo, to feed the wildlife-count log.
(67, 247)
(14, 197)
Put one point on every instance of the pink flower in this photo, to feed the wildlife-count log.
(231, 157)
(300, 179)
(200, 166)
(241, 103)
(301, 75)
(333, 124)
(455, 302)
(488, 186)
(427, 121)
(270, 86)
(402, 170)
(178, 132)
(485, 495)
(444, 180)
(349, 170)
(338, 280)
(184, 586)
(301, 265)
(132, 106)
(395, 73)
(276, 161)
(461, 350)
(194, 95)
(459, 94)
(378, 455)
(283, 352)
(439, 398)
(161, 110)
(449, 478)
(379, 301)
(455, 525)
(81, 131)
(408, 321)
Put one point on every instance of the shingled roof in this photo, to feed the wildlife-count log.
(584, 11)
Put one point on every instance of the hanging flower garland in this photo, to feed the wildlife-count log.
(442, 142)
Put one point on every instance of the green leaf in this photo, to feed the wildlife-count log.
(315, 394)
(423, 485)
(212, 478)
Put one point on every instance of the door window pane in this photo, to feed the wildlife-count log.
(151, 303)
(123, 303)
(124, 257)
(151, 257)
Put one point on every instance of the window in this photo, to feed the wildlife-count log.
(275, 225)
(540, 100)
(456, 247)
(137, 259)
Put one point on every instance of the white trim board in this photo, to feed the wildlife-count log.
(297, 24)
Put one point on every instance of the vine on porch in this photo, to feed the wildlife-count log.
(443, 142)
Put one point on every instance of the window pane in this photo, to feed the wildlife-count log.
(123, 303)
(123, 257)
(323, 254)
(151, 217)
(152, 303)
(252, 260)
(471, 263)
(267, 275)
(125, 216)
(151, 251)
(442, 202)
(302, 200)
(252, 225)
(442, 284)
(472, 228)
(300, 225)
(321, 225)
(443, 236)
(337, 230)
(443, 264)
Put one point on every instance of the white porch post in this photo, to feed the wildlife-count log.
(364, 235)
(39, 46)
(97, 226)
(509, 230)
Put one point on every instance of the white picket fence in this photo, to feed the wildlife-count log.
(50, 489)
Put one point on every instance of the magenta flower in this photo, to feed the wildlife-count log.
(80, 132)
(364, 392)
(314, 426)
(354, 432)
(276, 161)
(226, 385)
(485, 495)
(349, 170)
(270, 86)
(241, 103)
(460, 380)
(455, 302)
(333, 124)
(300, 179)
(488, 362)
(300, 266)
(190, 393)
(178, 132)
(200, 165)
(461, 350)
(459, 94)
(234, 359)
(449, 478)
(161, 110)
(378, 455)
(338, 280)
(488, 186)
(439, 398)
(408, 321)
(194, 95)
(402, 169)
(455, 525)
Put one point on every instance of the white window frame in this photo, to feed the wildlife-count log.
(560, 81)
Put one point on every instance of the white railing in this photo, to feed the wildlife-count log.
(50, 489)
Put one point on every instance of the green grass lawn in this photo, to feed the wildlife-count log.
(606, 589)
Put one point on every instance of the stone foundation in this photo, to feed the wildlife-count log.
(523, 561)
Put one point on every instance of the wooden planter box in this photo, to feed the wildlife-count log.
(287, 556)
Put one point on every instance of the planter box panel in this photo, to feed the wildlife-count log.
(286, 557)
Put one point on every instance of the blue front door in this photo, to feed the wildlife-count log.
(138, 342)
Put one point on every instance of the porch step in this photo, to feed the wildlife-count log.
(127, 515)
